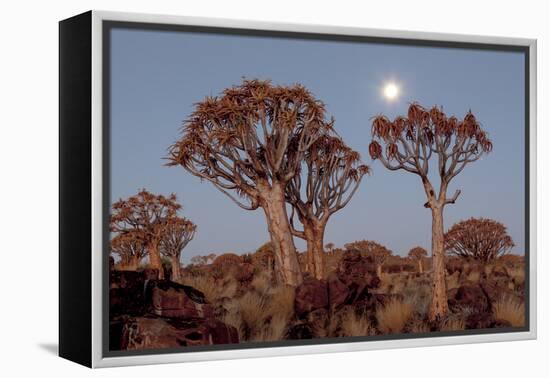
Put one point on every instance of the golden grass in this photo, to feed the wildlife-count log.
(511, 310)
(517, 275)
(274, 330)
(473, 276)
(355, 325)
(393, 317)
(419, 326)
(453, 281)
(453, 324)
(212, 291)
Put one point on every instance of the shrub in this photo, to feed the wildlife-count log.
(511, 310)
(393, 316)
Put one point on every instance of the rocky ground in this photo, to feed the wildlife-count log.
(236, 299)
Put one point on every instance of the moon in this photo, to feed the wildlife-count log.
(390, 91)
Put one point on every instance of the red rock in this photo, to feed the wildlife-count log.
(156, 333)
(311, 295)
(170, 299)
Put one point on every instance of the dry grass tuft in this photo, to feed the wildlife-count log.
(511, 310)
(212, 291)
(453, 324)
(393, 317)
(355, 325)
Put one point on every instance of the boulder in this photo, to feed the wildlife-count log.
(497, 289)
(472, 297)
(479, 321)
(311, 295)
(300, 331)
(173, 300)
(156, 333)
(338, 292)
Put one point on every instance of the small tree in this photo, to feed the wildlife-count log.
(330, 177)
(249, 143)
(410, 143)
(479, 239)
(130, 249)
(418, 254)
(330, 247)
(177, 233)
(377, 252)
(144, 216)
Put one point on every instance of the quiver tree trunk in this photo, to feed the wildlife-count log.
(438, 307)
(315, 254)
(379, 270)
(420, 266)
(176, 270)
(286, 259)
(154, 259)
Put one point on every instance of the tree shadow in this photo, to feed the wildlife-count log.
(50, 348)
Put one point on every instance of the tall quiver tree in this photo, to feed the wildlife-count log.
(410, 143)
(177, 233)
(143, 216)
(330, 176)
(249, 143)
(418, 254)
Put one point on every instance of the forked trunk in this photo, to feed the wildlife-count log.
(420, 267)
(176, 271)
(439, 305)
(155, 260)
(315, 252)
(286, 259)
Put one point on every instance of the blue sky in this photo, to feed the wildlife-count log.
(157, 76)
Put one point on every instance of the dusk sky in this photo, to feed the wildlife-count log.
(157, 76)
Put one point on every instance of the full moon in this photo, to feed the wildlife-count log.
(391, 91)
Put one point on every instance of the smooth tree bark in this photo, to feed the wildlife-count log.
(330, 176)
(418, 254)
(410, 143)
(144, 216)
(178, 232)
(129, 248)
(480, 239)
(249, 143)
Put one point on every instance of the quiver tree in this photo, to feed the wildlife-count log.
(203, 260)
(130, 249)
(377, 252)
(143, 216)
(410, 143)
(418, 254)
(249, 143)
(330, 176)
(479, 239)
(177, 233)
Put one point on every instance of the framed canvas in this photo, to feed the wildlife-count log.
(233, 189)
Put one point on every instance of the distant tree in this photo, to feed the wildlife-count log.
(329, 247)
(177, 233)
(203, 260)
(130, 249)
(479, 239)
(329, 178)
(409, 143)
(418, 254)
(264, 257)
(249, 143)
(377, 252)
(143, 216)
